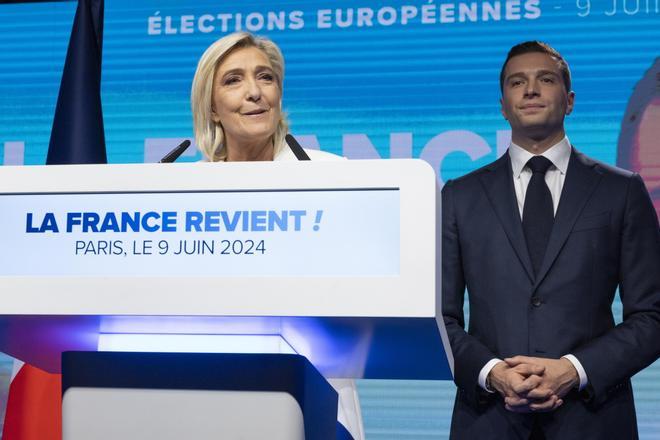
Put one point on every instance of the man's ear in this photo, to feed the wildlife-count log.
(570, 101)
(502, 109)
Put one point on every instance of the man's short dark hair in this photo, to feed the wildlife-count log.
(538, 47)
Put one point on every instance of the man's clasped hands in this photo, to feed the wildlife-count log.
(532, 384)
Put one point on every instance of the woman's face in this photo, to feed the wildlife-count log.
(643, 156)
(246, 97)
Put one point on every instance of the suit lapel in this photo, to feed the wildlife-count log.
(581, 181)
(498, 184)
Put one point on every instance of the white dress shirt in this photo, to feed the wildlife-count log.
(559, 154)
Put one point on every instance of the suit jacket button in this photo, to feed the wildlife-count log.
(536, 301)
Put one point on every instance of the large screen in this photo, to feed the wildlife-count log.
(364, 79)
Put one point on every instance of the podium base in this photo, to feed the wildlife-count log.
(110, 395)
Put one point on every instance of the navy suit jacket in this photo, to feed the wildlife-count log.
(605, 236)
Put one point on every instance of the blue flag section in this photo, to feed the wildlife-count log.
(77, 135)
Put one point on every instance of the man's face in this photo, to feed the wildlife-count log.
(534, 98)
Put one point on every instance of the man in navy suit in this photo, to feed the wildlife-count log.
(541, 238)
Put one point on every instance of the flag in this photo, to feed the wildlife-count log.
(34, 404)
(77, 135)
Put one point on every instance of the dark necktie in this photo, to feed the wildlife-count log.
(538, 213)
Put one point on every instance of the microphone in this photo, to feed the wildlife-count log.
(296, 148)
(174, 154)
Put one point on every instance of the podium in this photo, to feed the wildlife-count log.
(334, 261)
(163, 396)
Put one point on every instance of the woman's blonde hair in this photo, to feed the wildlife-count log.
(209, 136)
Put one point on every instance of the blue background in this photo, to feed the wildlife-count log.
(415, 89)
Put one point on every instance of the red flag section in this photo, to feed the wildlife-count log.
(34, 406)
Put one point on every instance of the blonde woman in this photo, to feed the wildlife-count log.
(237, 116)
(237, 102)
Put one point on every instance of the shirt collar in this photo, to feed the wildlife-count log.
(559, 154)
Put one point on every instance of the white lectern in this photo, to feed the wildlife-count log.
(335, 261)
